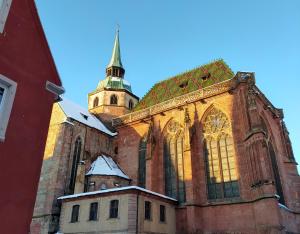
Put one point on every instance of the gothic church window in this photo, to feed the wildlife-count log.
(142, 162)
(113, 100)
(274, 164)
(96, 102)
(173, 162)
(75, 162)
(276, 174)
(221, 172)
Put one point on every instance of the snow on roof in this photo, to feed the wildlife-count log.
(105, 165)
(116, 190)
(80, 114)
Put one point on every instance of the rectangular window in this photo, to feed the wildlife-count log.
(75, 214)
(4, 9)
(93, 211)
(114, 209)
(7, 95)
(162, 213)
(147, 210)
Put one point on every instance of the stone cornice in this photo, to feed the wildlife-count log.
(197, 95)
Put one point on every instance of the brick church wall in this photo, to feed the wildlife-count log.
(57, 164)
(256, 210)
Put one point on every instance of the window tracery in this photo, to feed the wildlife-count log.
(221, 172)
(173, 162)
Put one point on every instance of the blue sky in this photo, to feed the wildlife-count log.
(160, 38)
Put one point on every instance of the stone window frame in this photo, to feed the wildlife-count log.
(4, 10)
(6, 104)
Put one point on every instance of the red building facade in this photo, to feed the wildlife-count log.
(29, 85)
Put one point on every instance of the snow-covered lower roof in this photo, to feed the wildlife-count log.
(116, 190)
(82, 115)
(105, 165)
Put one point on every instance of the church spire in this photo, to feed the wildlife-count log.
(115, 67)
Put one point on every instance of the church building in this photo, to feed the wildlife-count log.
(204, 151)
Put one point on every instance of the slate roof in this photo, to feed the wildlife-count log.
(82, 115)
(105, 165)
(187, 82)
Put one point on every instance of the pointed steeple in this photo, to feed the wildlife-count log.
(116, 53)
(115, 67)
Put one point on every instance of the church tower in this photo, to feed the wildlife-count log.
(113, 96)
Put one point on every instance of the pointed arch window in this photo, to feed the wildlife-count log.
(173, 162)
(274, 164)
(142, 162)
(221, 172)
(130, 104)
(96, 102)
(75, 162)
(113, 99)
(276, 173)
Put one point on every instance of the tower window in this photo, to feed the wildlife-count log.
(113, 99)
(93, 211)
(75, 214)
(114, 209)
(96, 102)
(130, 104)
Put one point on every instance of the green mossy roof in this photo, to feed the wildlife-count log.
(187, 82)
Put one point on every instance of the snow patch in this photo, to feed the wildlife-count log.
(105, 165)
(116, 190)
(82, 115)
